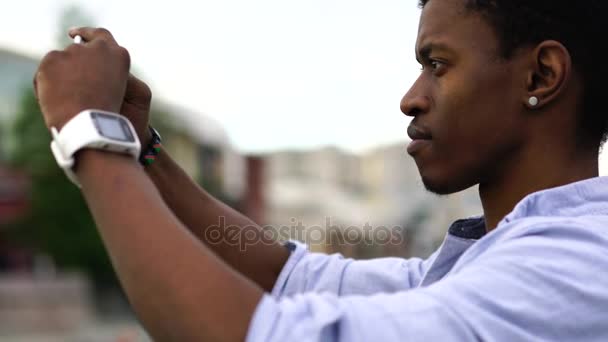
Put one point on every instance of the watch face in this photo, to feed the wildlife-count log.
(112, 127)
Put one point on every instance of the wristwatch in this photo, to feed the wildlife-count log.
(94, 129)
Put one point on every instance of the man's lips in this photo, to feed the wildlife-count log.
(417, 145)
(420, 139)
(417, 133)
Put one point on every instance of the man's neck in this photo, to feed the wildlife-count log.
(536, 171)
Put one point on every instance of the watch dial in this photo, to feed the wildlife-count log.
(112, 127)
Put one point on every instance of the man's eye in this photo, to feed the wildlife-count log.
(436, 65)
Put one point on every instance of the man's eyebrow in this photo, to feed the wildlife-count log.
(425, 51)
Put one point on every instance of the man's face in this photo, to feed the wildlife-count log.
(466, 102)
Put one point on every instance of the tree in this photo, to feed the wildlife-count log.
(59, 223)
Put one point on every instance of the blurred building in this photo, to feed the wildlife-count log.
(17, 73)
(314, 189)
(381, 188)
(200, 145)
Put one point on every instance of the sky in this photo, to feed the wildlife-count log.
(275, 74)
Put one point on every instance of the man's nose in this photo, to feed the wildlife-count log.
(415, 101)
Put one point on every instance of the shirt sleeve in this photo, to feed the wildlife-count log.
(533, 288)
(321, 273)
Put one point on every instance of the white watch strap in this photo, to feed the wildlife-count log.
(81, 126)
(65, 162)
(80, 132)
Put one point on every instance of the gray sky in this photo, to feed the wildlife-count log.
(274, 73)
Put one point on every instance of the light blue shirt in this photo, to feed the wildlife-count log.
(541, 275)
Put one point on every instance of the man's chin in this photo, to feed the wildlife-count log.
(442, 187)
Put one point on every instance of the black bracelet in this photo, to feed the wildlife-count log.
(149, 152)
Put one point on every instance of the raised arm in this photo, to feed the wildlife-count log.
(260, 261)
(242, 246)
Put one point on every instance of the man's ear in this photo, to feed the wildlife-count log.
(550, 70)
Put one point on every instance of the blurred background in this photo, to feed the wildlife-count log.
(287, 111)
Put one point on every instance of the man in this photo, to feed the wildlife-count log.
(509, 98)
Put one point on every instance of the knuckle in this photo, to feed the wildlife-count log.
(101, 31)
(102, 43)
(125, 56)
(146, 92)
(52, 55)
(50, 58)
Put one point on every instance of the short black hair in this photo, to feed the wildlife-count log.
(580, 25)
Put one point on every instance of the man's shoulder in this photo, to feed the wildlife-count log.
(530, 235)
(557, 226)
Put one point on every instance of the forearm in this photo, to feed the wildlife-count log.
(165, 271)
(259, 259)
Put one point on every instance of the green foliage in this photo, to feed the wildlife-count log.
(59, 223)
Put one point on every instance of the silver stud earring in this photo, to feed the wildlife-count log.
(533, 101)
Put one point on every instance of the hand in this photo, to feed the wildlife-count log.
(136, 107)
(92, 75)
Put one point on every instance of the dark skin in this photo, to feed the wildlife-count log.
(475, 106)
(153, 222)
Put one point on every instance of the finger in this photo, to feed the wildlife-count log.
(92, 33)
(77, 39)
(138, 93)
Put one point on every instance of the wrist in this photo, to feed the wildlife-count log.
(94, 161)
(159, 163)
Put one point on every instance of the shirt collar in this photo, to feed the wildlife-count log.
(471, 228)
(587, 197)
